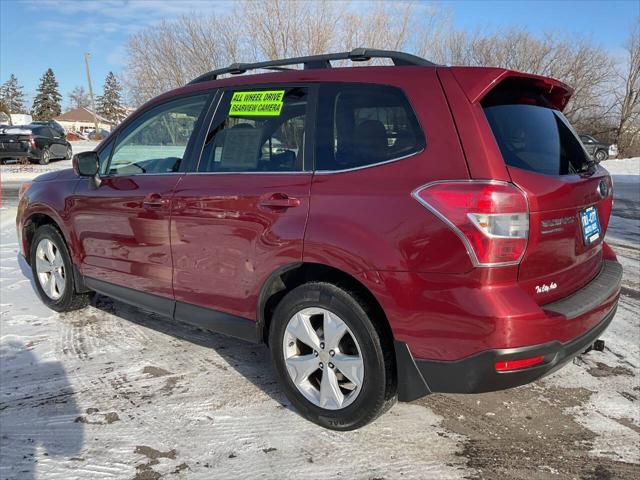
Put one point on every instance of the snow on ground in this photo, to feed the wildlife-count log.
(112, 391)
(627, 167)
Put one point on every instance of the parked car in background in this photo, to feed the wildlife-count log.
(103, 134)
(38, 143)
(55, 126)
(598, 150)
(388, 231)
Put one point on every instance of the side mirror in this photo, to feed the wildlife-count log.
(87, 164)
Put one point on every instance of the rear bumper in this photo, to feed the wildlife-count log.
(32, 154)
(476, 373)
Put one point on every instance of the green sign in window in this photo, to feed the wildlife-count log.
(259, 104)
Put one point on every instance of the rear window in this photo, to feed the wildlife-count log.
(361, 125)
(536, 138)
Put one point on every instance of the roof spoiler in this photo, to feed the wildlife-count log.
(477, 82)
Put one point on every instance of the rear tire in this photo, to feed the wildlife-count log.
(601, 155)
(52, 271)
(45, 157)
(367, 390)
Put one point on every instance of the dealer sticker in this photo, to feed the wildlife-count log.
(257, 104)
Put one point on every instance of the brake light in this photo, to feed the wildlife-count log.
(490, 217)
(507, 365)
(32, 141)
(23, 189)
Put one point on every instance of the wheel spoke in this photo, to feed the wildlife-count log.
(301, 366)
(330, 394)
(350, 366)
(59, 282)
(50, 286)
(334, 329)
(42, 265)
(300, 327)
(57, 261)
(51, 255)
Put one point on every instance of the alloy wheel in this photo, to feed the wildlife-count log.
(323, 358)
(50, 269)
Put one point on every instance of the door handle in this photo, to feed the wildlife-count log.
(278, 201)
(153, 200)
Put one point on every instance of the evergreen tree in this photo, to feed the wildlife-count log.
(47, 105)
(110, 102)
(79, 98)
(12, 96)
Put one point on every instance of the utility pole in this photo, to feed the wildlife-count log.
(93, 103)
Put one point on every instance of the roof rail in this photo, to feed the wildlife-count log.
(317, 61)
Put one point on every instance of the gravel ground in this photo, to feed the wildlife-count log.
(112, 391)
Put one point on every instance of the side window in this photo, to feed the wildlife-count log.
(360, 125)
(156, 141)
(40, 131)
(262, 131)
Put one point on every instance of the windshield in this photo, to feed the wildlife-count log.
(536, 138)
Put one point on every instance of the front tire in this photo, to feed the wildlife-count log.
(52, 271)
(68, 154)
(330, 358)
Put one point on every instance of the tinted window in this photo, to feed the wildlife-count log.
(262, 130)
(39, 131)
(361, 125)
(156, 141)
(536, 138)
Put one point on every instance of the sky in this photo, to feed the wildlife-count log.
(40, 34)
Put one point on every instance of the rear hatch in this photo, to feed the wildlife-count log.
(15, 140)
(569, 196)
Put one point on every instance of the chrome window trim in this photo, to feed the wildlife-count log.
(142, 174)
(372, 165)
(472, 256)
(301, 172)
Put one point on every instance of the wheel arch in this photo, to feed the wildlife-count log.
(38, 219)
(290, 276)
(32, 223)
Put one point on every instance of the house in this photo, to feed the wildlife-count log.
(81, 120)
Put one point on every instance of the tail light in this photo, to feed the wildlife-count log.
(491, 218)
(32, 142)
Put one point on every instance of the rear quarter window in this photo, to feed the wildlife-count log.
(362, 125)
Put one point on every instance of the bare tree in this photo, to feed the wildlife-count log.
(170, 54)
(173, 52)
(627, 98)
(78, 97)
(585, 67)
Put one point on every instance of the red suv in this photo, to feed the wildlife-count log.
(389, 231)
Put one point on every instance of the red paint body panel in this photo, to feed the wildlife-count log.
(212, 244)
(449, 317)
(121, 240)
(225, 244)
